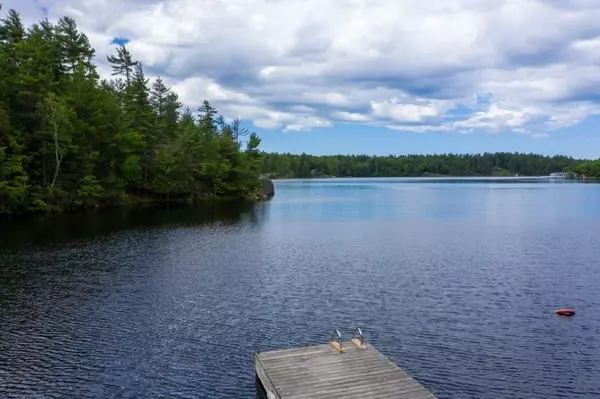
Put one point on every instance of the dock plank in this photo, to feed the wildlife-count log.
(323, 372)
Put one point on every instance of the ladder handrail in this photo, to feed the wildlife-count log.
(337, 338)
(358, 334)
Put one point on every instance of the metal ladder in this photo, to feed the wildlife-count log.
(357, 339)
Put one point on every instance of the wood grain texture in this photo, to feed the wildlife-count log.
(323, 372)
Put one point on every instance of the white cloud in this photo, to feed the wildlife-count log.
(401, 112)
(350, 116)
(303, 64)
(569, 116)
(330, 98)
(196, 89)
(497, 117)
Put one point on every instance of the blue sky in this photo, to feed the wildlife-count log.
(582, 141)
(369, 76)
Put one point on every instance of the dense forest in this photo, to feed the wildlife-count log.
(299, 166)
(69, 139)
(589, 169)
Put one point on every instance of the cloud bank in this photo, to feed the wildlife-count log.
(527, 66)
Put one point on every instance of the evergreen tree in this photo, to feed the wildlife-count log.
(75, 46)
(55, 51)
(14, 182)
(165, 105)
(158, 97)
(142, 119)
(138, 105)
(12, 31)
(208, 115)
(122, 64)
(171, 114)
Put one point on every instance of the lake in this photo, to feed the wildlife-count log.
(455, 280)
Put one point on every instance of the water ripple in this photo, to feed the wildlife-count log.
(463, 303)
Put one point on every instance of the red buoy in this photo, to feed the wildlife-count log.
(565, 312)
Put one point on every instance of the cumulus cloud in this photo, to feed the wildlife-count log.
(528, 66)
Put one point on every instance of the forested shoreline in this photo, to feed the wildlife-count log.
(71, 140)
(487, 164)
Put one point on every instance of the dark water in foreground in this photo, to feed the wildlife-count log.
(455, 282)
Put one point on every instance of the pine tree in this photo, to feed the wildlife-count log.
(208, 116)
(171, 114)
(12, 31)
(187, 120)
(122, 64)
(142, 117)
(166, 106)
(235, 129)
(12, 34)
(158, 97)
(138, 106)
(51, 40)
(74, 45)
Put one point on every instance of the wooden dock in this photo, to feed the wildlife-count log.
(336, 370)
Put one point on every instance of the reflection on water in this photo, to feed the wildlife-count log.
(455, 282)
(65, 226)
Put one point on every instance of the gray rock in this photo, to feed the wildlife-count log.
(268, 186)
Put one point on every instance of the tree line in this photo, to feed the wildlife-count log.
(487, 164)
(69, 139)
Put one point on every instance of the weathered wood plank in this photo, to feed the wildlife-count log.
(340, 384)
(323, 372)
(329, 366)
(342, 369)
(265, 379)
(378, 391)
(283, 353)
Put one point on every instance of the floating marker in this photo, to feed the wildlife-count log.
(565, 312)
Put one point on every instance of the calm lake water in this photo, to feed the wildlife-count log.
(454, 280)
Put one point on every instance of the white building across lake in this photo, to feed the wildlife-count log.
(563, 175)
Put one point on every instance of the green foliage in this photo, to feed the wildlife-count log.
(13, 182)
(589, 169)
(74, 46)
(69, 140)
(131, 170)
(499, 164)
(89, 191)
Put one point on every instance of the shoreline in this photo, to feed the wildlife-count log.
(261, 193)
(137, 201)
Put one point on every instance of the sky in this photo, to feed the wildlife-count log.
(368, 76)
